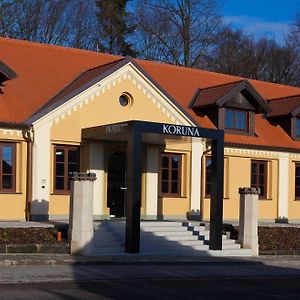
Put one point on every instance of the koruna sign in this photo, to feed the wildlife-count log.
(169, 129)
(180, 130)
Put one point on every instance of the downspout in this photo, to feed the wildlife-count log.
(28, 136)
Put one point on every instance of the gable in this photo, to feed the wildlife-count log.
(105, 108)
(240, 94)
(241, 102)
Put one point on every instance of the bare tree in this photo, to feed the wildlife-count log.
(6, 19)
(235, 53)
(178, 32)
(62, 22)
(239, 54)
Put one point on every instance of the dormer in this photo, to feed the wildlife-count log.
(231, 107)
(286, 113)
(6, 73)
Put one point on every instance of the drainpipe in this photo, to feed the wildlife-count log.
(28, 136)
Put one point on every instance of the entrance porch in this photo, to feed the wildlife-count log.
(146, 170)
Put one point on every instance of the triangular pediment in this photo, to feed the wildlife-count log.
(94, 82)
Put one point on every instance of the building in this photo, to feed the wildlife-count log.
(52, 97)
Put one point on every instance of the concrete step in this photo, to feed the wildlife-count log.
(231, 252)
(197, 228)
(168, 233)
(178, 249)
(206, 236)
(154, 238)
(164, 228)
(160, 224)
(226, 245)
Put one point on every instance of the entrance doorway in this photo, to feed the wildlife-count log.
(116, 184)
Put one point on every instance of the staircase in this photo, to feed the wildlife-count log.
(163, 238)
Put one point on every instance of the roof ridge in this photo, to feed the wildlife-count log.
(283, 98)
(169, 65)
(104, 65)
(56, 47)
(221, 85)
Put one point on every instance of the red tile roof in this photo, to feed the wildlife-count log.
(44, 70)
(211, 95)
(284, 106)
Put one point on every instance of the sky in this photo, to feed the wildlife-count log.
(270, 18)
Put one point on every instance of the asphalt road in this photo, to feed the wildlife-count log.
(212, 288)
(267, 278)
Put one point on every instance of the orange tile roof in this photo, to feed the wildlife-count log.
(211, 95)
(284, 106)
(44, 70)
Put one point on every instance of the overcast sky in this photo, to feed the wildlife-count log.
(269, 18)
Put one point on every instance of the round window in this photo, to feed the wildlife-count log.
(125, 100)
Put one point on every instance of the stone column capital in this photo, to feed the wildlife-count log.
(81, 176)
(249, 190)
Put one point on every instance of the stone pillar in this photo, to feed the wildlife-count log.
(248, 236)
(96, 165)
(81, 228)
(283, 191)
(152, 171)
(197, 152)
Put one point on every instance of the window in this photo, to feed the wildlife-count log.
(297, 128)
(259, 177)
(66, 161)
(7, 172)
(208, 177)
(236, 119)
(297, 181)
(170, 174)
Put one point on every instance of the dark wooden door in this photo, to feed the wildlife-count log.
(116, 185)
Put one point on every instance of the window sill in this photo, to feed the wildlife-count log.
(206, 197)
(239, 132)
(10, 193)
(59, 194)
(172, 196)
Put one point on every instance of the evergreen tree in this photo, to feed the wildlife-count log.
(115, 27)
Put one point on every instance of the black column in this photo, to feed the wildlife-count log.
(216, 202)
(133, 209)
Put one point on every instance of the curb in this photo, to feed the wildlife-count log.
(73, 260)
(35, 248)
(280, 252)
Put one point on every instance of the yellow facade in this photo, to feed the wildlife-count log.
(104, 109)
(237, 171)
(12, 205)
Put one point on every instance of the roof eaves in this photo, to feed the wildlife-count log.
(231, 93)
(49, 107)
(296, 111)
(259, 98)
(162, 90)
(7, 71)
(245, 84)
(194, 98)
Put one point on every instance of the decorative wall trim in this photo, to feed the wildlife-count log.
(11, 132)
(127, 72)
